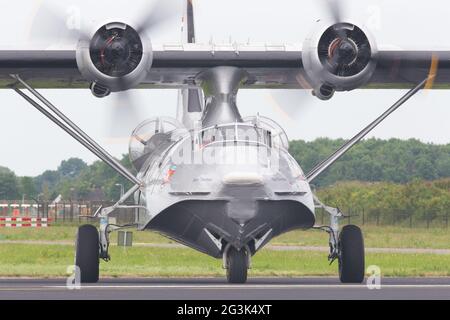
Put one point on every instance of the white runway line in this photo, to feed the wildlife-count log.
(224, 287)
(294, 286)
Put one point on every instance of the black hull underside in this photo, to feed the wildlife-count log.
(186, 222)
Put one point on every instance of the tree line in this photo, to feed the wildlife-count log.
(74, 180)
(389, 202)
(396, 163)
(375, 160)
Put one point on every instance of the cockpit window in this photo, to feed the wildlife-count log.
(239, 133)
(278, 136)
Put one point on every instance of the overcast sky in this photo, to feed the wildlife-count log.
(30, 144)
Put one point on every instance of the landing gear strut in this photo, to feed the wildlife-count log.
(91, 245)
(346, 246)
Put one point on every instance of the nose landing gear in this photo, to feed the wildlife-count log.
(237, 264)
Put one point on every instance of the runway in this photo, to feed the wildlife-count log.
(217, 289)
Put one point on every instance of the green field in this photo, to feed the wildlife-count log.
(44, 260)
(375, 237)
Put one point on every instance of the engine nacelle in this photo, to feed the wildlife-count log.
(116, 58)
(339, 57)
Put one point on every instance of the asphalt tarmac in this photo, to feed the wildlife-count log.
(218, 289)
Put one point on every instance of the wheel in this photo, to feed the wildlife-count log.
(351, 261)
(87, 253)
(237, 265)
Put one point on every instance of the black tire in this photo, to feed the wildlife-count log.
(87, 253)
(351, 261)
(237, 265)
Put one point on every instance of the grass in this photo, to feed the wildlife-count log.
(377, 237)
(53, 260)
(374, 237)
(41, 260)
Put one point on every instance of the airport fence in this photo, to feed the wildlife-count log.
(364, 216)
(79, 212)
(62, 212)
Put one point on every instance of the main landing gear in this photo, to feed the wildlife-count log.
(87, 249)
(93, 245)
(346, 246)
(351, 258)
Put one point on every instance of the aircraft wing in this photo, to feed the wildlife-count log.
(176, 66)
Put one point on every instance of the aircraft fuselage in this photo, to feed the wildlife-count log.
(228, 185)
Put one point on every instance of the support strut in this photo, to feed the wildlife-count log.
(335, 213)
(220, 86)
(73, 130)
(325, 164)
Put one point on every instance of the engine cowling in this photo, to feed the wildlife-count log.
(338, 57)
(115, 58)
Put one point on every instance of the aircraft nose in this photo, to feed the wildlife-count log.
(242, 188)
(241, 210)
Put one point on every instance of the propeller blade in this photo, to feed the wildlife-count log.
(161, 12)
(55, 23)
(335, 9)
(123, 115)
(290, 104)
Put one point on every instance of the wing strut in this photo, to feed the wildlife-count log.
(322, 166)
(72, 129)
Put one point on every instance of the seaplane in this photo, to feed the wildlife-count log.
(209, 178)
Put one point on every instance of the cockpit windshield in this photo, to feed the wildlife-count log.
(235, 133)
